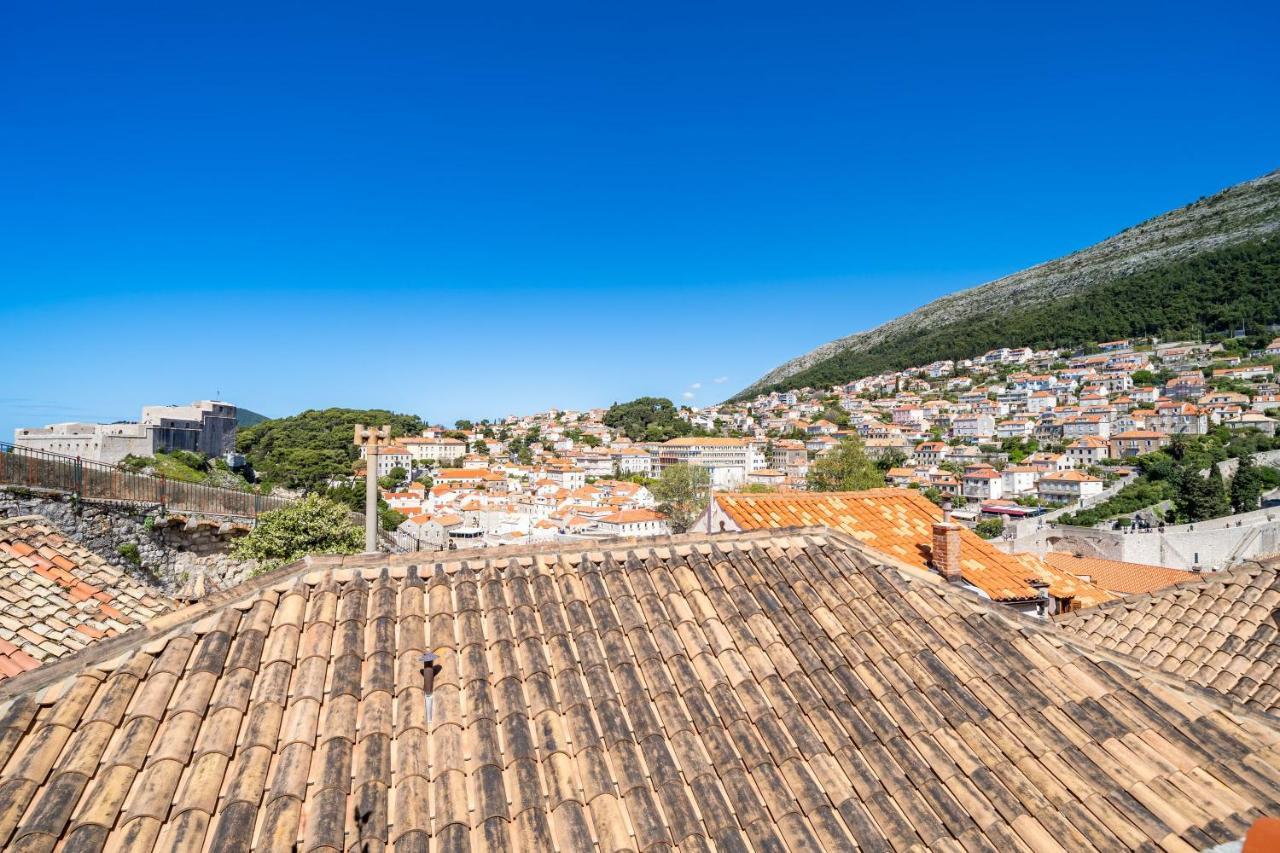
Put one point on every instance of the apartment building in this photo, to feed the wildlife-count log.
(435, 449)
(729, 460)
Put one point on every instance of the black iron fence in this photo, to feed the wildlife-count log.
(97, 481)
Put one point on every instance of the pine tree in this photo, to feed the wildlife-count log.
(1216, 501)
(1246, 486)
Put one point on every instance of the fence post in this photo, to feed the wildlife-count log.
(77, 478)
(162, 480)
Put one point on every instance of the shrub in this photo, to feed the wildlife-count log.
(989, 528)
(314, 525)
(132, 463)
(130, 552)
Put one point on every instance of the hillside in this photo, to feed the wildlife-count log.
(305, 450)
(1168, 252)
(246, 418)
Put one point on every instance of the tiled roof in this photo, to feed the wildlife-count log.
(1221, 632)
(57, 596)
(898, 523)
(746, 692)
(1116, 575)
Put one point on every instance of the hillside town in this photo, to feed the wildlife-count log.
(1011, 434)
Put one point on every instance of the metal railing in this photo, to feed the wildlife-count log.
(97, 481)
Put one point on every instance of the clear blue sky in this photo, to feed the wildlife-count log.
(469, 210)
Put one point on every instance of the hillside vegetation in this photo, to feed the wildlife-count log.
(1210, 292)
(246, 418)
(647, 419)
(1246, 215)
(307, 449)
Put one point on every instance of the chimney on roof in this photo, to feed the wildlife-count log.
(946, 547)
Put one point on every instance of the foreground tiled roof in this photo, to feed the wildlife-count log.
(57, 596)
(747, 692)
(1116, 575)
(898, 523)
(1221, 631)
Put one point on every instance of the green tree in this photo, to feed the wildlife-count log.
(1246, 486)
(891, 459)
(1198, 498)
(392, 480)
(682, 492)
(1218, 500)
(989, 528)
(647, 419)
(313, 525)
(307, 449)
(845, 469)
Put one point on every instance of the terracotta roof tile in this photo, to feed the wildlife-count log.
(898, 524)
(1118, 576)
(55, 596)
(773, 689)
(1220, 631)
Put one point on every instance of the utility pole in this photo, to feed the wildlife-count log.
(371, 438)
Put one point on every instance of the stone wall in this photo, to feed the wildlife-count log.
(1265, 459)
(1215, 544)
(178, 555)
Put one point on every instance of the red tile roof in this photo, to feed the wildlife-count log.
(1117, 576)
(57, 596)
(898, 523)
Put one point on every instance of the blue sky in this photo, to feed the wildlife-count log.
(465, 210)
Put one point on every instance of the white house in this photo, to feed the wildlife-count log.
(635, 522)
(984, 484)
(1088, 450)
(1019, 479)
(1068, 486)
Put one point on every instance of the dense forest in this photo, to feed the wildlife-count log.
(1212, 291)
(307, 449)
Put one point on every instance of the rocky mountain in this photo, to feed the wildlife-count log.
(1245, 213)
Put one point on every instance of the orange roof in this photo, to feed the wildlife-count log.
(898, 523)
(696, 441)
(1117, 576)
(1071, 476)
(632, 516)
(467, 474)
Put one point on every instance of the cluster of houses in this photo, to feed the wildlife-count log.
(946, 426)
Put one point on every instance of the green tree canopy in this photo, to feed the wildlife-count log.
(647, 419)
(846, 468)
(681, 492)
(314, 525)
(1246, 486)
(307, 449)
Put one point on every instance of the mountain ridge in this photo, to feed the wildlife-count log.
(1246, 211)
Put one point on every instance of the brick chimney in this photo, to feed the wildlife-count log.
(946, 549)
